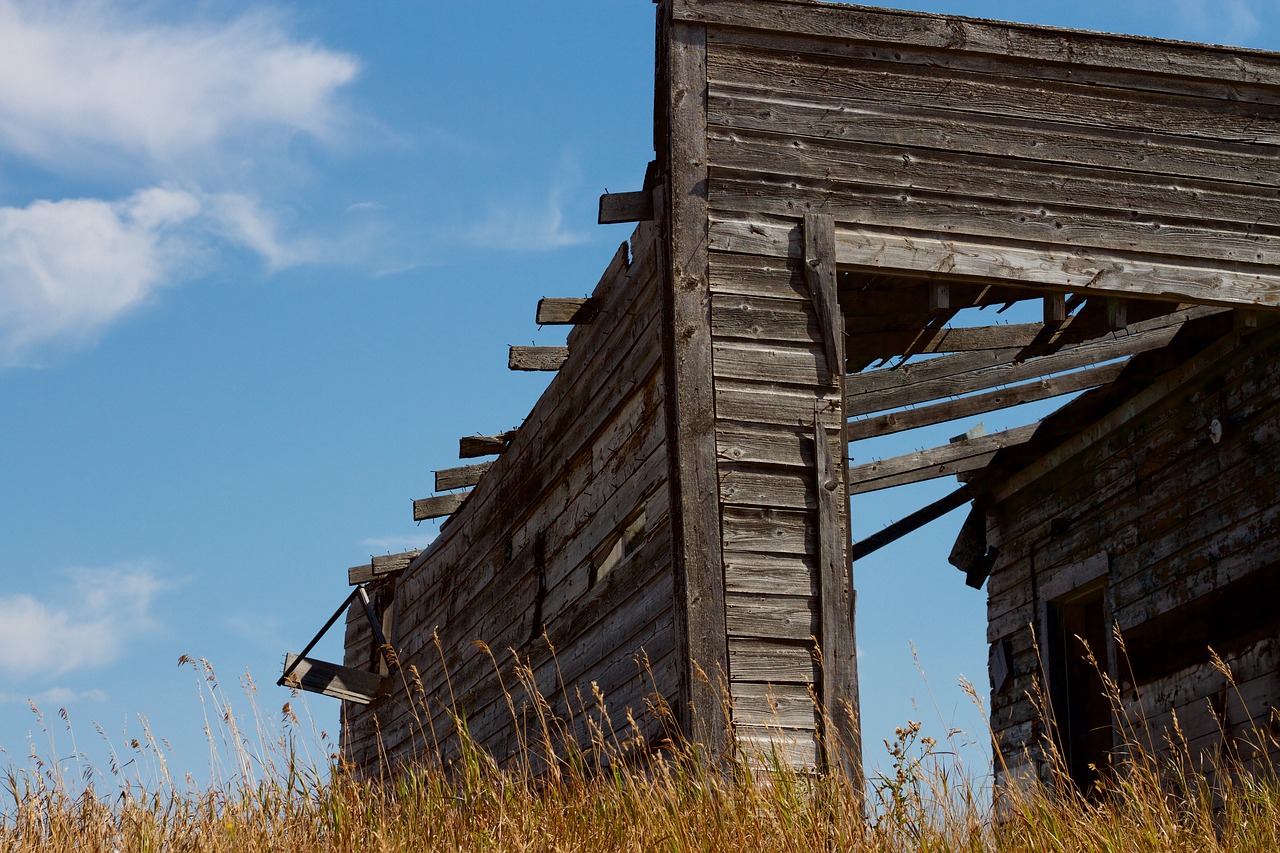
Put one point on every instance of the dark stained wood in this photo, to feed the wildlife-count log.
(958, 457)
(471, 446)
(565, 311)
(911, 523)
(820, 273)
(381, 566)
(537, 358)
(981, 403)
(461, 477)
(438, 506)
(699, 569)
(626, 207)
(331, 679)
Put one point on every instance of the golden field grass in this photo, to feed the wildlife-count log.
(267, 794)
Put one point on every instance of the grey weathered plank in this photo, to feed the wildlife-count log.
(438, 506)
(783, 617)
(699, 570)
(565, 311)
(955, 458)
(770, 361)
(786, 488)
(785, 705)
(1138, 54)
(330, 679)
(625, 207)
(381, 566)
(471, 446)
(820, 273)
(460, 477)
(772, 661)
(836, 643)
(770, 574)
(537, 358)
(980, 403)
(1077, 271)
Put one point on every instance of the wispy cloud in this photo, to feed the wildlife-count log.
(524, 227)
(59, 696)
(79, 77)
(88, 625)
(69, 268)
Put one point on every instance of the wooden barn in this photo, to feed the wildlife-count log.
(842, 201)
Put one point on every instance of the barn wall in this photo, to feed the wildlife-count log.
(1185, 533)
(1004, 151)
(519, 556)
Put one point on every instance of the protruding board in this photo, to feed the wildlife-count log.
(913, 522)
(439, 506)
(820, 274)
(979, 404)
(565, 311)
(472, 446)
(331, 679)
(448, 479)
(958, 457)
(626, 207)
(381, 567)
(537, 358)
(839, 677)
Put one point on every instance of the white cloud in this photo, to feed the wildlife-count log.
(68, 268)
(87, 626)
(55, 696)
(1228, 21)
(79, 77)
(518, 227)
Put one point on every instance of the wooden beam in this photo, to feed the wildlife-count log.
(1117, 312)
(958, 457)
(537, 358)
(1055, 308)
(939, 296)
(912, 522)
(565, 311)
(1067, 358)
(980, 403)
(626, 207)
(448, 479)
(331, 679)
(839, 673)
(820, 274)
(439, 506)
(472, 446)
(954, 365)
(698, 559)
(382, 566)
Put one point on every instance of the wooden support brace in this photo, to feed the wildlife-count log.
(439, 506)
(1117, 313)
(626, 207)
(537, 358)
(820, 274)
(382, 566)
(839, 675)
(939, 296)
(448, 479)
(959, 457)
(472, 446)
(1055, 308)
(565, 311)
(331, 679)
(912, 522)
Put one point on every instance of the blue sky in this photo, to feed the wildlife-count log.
(259, 268)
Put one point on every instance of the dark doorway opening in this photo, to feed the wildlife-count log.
(1081, 709)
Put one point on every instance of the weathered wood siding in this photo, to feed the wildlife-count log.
(1184, 524)
(1002, 151)
(522, 554)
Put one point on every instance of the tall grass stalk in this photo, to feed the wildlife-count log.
(267, 792)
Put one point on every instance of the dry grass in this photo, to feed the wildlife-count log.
(266, 794)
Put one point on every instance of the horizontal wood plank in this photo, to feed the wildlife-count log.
(565, 311)
(461, 477)
(381, 566)
(438, 506)
(537, 358)
(471, 446)
(331, 679)
(955, 458)
(625, 207)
